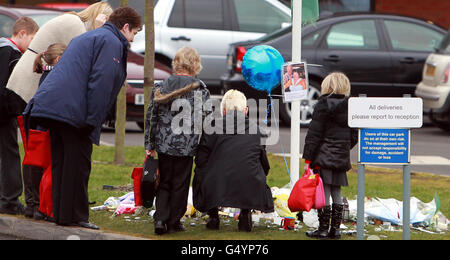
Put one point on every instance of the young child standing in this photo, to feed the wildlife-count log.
(327, 147)
(175, 150)
(11, 50)
(38, 193)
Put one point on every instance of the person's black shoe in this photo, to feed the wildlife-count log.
(160, 227)
(29, 212)
(175, 228)
(213, 223)
(38, 215)
(17, 209)
(86, 225)
(245, 222)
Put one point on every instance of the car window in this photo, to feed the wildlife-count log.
(259, 16)
(200, 14)
(40, 19)
(361, 34)
(6, 26)
(406, 36)
(311, 39)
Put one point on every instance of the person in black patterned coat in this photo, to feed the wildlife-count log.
(178, 99)
(327, 148)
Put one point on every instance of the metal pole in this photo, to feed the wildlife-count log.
(360, 203)
(295, 105)
(406, 200)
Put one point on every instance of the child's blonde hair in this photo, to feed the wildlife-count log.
(233, 100)
(89, 14)
(336, 83)
(49, 56)
(187, 60)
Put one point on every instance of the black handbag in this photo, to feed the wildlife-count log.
(149, 182)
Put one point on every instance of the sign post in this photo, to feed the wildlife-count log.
(295, 105)
(384, 138)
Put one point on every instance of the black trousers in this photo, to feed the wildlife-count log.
(10, 173)
(32, 176)
(71, 168)
(173, 190)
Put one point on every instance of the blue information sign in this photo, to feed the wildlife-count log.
(384, 146)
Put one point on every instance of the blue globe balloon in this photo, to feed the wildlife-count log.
(261, 67)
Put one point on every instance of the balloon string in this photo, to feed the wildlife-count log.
(270, 108)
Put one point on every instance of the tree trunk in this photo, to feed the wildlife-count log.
(119, 153)
(149, 64)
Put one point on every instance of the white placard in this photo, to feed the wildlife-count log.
(294, 81)
(365, 112)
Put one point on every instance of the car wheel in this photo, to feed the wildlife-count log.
(440, 124)
(141, 125)
(306, 106)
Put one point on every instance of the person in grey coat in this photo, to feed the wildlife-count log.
(173, 127)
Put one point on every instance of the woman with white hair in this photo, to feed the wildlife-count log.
(231, 166)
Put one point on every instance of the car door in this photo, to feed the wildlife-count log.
(252, 19)
(202, 25)
(409, 44)
(354, 48)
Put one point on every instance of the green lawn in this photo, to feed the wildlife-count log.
(381, 183)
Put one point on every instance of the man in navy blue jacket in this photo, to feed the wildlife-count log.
(73, 103)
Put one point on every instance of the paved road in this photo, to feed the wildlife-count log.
(430, 150)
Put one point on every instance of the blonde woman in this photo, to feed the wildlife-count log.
(231, 167)
(327, 148)
(175, 148)
(62, 29)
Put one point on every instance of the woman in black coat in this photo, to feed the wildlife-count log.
(231, 166)
(327, 148)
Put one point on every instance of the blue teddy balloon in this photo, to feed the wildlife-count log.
(261, 67)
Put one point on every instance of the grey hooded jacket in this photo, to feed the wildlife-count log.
(175, 116)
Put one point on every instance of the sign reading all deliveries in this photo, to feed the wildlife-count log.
(368, 112)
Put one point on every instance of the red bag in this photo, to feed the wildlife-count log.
(45, 193)
(303, 194)
(36, 145)
(136, 175)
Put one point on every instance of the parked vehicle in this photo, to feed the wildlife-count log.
(434, 89)
(135, 66)
(65, 6)
(209, 26)
(383, 55)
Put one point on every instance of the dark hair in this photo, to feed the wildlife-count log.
(126, 15)
(27, 24)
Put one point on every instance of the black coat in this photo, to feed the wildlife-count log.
(231, 170)
(329, 139)
(11, 105)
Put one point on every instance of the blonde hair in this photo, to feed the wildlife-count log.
(187, 60)
(336, 83)
(89, 14)
(49, 56)
(233, 100)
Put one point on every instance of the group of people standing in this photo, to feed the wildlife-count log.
(70, 94)
(85, 58)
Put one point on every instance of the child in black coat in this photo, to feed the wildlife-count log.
(11, 50)
(327, 148)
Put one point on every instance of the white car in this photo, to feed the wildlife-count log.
(209, 26)
(434, 88)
